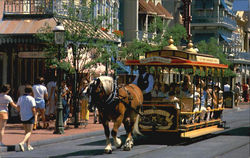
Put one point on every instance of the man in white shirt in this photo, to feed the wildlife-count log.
(40, 94)
(226, 87)
(26, 105)
(145, 82)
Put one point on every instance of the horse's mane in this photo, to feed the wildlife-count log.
(107, 82)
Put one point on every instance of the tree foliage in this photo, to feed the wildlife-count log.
(213, 48)
(83, 37)
(160, 36)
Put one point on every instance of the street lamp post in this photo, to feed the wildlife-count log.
(59, 40)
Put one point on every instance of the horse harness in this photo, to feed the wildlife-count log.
(115, 98)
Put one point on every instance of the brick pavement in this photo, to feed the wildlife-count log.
(14, 133)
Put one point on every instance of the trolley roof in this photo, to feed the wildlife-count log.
(170, 57)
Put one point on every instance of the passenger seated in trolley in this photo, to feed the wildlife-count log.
(209, 104)
(163, 90)
(187, 87)
(219, 101)
(218, 96)
(173, 99)
(155, 90)
(172, 88)
(200, 105)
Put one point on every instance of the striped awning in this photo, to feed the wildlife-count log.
(20, 27)
(22, 30)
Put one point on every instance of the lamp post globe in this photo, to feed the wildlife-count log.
(59, 40)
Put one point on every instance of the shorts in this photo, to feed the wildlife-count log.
(30, 121)
(40, 103)
(4, 115)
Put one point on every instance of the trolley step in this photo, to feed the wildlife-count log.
(190, 127)
(200, 132)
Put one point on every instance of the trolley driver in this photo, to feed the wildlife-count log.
(145, 82)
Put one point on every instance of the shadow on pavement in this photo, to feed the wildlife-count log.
(242, 131)
(95, 143)
(82, 153)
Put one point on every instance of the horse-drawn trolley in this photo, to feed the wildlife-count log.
(187, 98)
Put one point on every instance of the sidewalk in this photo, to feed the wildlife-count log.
(14, 134)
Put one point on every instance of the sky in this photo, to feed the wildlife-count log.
(241, 5)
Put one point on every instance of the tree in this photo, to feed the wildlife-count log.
(85, 44)
(163, 32)
(83, 39)
(137, 48)
(213, 48)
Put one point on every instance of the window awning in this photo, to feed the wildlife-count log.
(22, 31)
(10, 27)
(226, 7)
(225, 38)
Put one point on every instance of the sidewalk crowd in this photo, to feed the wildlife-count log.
(36, 108)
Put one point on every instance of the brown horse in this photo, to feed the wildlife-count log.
(118, 104)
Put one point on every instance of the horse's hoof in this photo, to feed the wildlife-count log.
(118, 146)
(125, 148)
(118, 143)
(107, 151)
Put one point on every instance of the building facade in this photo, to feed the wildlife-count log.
(137, 15)
(213, 18)
(22, 58)
(240, 55)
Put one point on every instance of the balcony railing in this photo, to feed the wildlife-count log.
(42, 8)
(28, 7)
(143, 35)
(215, 20)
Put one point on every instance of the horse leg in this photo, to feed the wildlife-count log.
(108, 148)
(128, 124)
(117, 124)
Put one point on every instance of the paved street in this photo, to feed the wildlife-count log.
(231, 143)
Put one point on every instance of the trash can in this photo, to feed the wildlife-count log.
(228, 99)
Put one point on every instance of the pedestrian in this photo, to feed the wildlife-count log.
(227, 87)
(26, 106)
(237, 94)
(84, 104)
(50, 109)
(245, 94)
(65, 102)
(40, 94)
(5, 101)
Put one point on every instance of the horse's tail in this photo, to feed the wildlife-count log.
(136, 130)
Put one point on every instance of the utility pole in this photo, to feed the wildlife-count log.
(187, 18)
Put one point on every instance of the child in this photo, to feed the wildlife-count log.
(171, 98)
(5, 101)
(26, 106)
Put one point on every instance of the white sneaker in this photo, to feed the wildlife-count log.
(21, 145)
(30, 148)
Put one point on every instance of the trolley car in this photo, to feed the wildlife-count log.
(168, 66)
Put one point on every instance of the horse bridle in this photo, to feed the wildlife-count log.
(92, 91)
